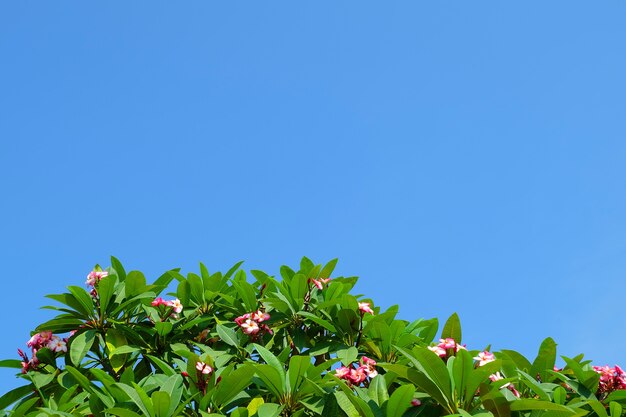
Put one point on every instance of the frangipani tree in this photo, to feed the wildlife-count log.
(251, 345)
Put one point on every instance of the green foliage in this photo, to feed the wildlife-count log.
(252, 345)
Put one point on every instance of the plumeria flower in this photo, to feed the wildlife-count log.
(369, 366)
(365, 308)
(357, 375)
(342, 372)
(57, 344)
(95, 276)
(259, 316)
(239, 320)
(319, 283)
(441, 352)
(447, 343)
(39, 340)
(157, 302)
(484, 358)
(203, 368)
(250, 327)
(176, 305)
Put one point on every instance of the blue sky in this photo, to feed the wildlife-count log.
(466, 156)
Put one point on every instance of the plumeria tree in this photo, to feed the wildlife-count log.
(251, 345)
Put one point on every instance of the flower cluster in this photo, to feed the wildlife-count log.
(249, 322)
(175, 304)
(446, 346)
(37, 341)
(319, 283)
(611, 379)
(356, 375)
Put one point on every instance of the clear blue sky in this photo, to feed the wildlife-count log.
(457, 156)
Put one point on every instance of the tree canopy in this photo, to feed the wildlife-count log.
(252, 345)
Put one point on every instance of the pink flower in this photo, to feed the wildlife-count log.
(250, 327)
(56, 344)
(319, 283)
(365, 308)
(176, 305)
(259, 316)
(157, 302)
(39, 340)
(94, 276)
(342, 372)
(441, 352)
(369, 366)
(203, 368)
(357, 375)
(415, 402)
(241, 319)
(484, 358)
(447, 343)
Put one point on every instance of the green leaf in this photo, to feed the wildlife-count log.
(174, 387)
(545, 360)
(452, 328)
(269, 410)
(232, 384)
(528, 404)
(534, 386)
(462, 369)
(80, 345)
(324, 323)
(346, 405)
(274, 362)
(347, 356)
(419, 379)
(11, 363)
(433, 367)
(45, 355)
(272, 379)
(116, 339)
(298, 367)
(161, 403)
(377, 390)
(245, 291)
(328, 269)
(15, 394)
(72, 302)
(135, 284)
(122, 412)
(400, 400)
(163, 328)
(119, 269)
(106, 287)
(83, 298)
(197, 288)
(227, 335)
(299, 286)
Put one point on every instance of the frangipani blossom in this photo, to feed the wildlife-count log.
(94, 276)
(250, 327)
(342, 372)
(259, 316)
(56, 344)
(176, 305)
(441, 352)
(319, 283)
(365, 308)
(203, 368)
(484, 358)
